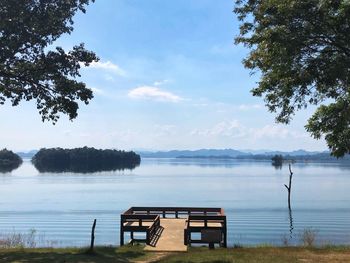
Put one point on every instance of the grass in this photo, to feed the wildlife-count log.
(263, 254)
(136, 254)
(74, 255)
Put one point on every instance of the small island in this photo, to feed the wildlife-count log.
(84, 160)
(9, 161)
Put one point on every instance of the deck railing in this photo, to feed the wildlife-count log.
(212, 229)
(177, 212)
(139, 223)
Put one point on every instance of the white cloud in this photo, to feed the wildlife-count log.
(275, 131)
(165, 130)
(153, 93)
(225, 128)
(97, 90)
(109, 66)
(234, 129)
(161, 82)
(245, 107)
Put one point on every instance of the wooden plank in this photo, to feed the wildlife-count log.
(171, 238)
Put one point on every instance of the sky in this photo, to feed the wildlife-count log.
(169, 77)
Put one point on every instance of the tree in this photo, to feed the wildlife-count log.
(9, 161)
(302, 49)
(30, 68)
(277, 160)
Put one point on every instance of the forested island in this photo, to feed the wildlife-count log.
(84, 160)
(9, 161)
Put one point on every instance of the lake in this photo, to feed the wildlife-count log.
(61, 207)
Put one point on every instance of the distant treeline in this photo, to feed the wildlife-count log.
(323, 157)
(9, 161)
(276, 158)
(84, 160)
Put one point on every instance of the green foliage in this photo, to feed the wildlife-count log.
(9, 161)
(84, 160)
(30, 68)
(302, 49)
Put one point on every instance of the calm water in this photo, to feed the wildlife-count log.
(61, 207)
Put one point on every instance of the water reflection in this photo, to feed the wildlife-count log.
(8, 168)
(290, 223)
(277, 166)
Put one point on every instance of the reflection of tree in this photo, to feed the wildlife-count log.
(277, 166)
(290, 223)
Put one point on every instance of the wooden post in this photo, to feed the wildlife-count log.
(92, 236)
(148, 241)
(225, 234)
(121, 231)
(132, 237)
(289, 188)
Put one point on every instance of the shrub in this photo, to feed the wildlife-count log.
(308, 237)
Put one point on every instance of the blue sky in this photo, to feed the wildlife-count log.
(169, 77)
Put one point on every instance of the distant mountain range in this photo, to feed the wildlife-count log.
(230, 154)
(29, 154)
(222, 152)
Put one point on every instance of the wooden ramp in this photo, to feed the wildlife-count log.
(170, 238)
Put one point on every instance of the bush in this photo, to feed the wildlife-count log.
(308, 237)
(19, 240)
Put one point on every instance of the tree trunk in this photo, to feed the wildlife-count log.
(289, 188)
(92, 236)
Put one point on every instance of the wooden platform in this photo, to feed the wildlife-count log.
(171, 229)
(171, 238)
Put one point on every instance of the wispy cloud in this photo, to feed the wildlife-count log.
(161, 82)
(234, 129)
(245, 107)
(153, 93)
(276, 131)
(109, 66)
(225, 128)
(97, 90)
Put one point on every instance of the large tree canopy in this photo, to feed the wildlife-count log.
(30, 68)
(302, 49)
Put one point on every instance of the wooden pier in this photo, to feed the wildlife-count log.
(172, 228)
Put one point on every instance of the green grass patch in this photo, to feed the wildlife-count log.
(136, 254)
(101, 254)
(261, 255)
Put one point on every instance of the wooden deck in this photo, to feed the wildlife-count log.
(170, 229)
(171, 238)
